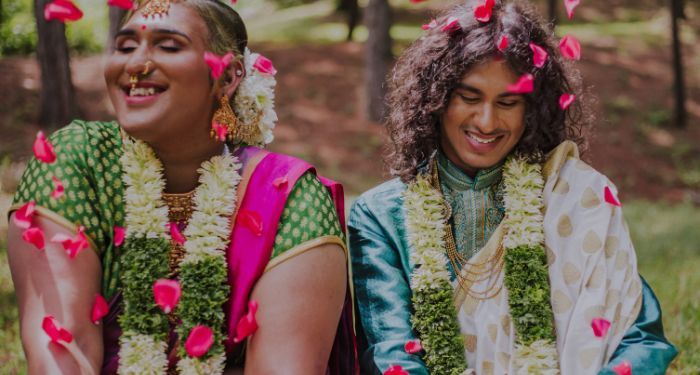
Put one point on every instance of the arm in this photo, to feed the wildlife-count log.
(48, 282)
(644, 345)
(300, 302)
(383, 296)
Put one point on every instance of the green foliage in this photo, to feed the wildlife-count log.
(527, 280)
(291, 3)
(204, 292)
(435, 320)
(144, 261)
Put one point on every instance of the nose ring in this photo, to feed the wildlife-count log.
(147, 68)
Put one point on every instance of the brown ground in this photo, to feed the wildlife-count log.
(320, 105)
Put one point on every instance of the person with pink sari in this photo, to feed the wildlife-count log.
(170, 240)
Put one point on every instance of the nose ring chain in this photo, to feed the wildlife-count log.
(134, 78)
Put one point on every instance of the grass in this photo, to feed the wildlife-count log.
(667, 248)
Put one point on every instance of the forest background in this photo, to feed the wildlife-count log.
(627, 63)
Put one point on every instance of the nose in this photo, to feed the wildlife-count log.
(485, 119)
(139, 62)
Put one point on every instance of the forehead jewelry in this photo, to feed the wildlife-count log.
(156, 8)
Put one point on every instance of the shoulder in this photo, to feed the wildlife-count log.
(385, 199)
(81, 136)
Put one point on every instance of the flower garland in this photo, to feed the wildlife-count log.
(254, 101)
(145, 260)
(526, 275)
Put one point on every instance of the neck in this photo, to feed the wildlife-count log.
(180, 164)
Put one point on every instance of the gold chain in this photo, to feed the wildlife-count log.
(180, 209)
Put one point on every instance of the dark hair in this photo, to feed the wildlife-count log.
(426, 74)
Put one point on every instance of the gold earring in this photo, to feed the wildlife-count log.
(224, 117)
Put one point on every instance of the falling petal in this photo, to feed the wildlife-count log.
(99, 309)
(539, 55)
(570, 47)
(565, 100)
(600, 326)
(175, 234)
(43, 150)
(217, 64)
(570, 5)
(451, 25)
(395, 370)
(623, 368)
(280, 182)
(247, 325)
(23, 216)
(264, 65)
(123, 4)
(167, 294)
(119, 234)
(62, 10)
(610, 197)
(482, 13)
(72, 245)
(252, 220)
(413, 346)
(58, 190)
(220, 130)
(56, 333)
(428, 26)
(502, 43)
(417, 1)
(234, 2)
(525, 84)
(199, 341)
(34, 236)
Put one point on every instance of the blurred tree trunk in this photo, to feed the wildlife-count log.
(552, 10)
(378, 56)
(352, 11)
(57, 105)
(115, 17)
(678, 82)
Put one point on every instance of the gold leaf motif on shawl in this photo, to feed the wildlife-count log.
(628, 274)
(470, 343)
(561, 303)
(587, 356)
(634, 289)
(611, 245)
(593, 312)
(621, 260)
(561, 187)
(493, 332)
(597, 277)
(571, 273)
(564, 227)
(551, 257)
(591, 243)
(505, 324)
(582, 166)
(616, 319)
(590, 199)
(487, 368)
(469, 305)
(503, 359)
(612, 299)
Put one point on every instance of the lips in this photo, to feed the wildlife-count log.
(142, 92)
(482, 143)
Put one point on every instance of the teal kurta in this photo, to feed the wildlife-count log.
(381, 272)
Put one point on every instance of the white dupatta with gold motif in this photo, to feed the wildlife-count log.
(592, 272)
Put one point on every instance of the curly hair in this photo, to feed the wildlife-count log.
(426, 74)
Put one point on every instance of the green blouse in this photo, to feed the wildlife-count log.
(88, 166)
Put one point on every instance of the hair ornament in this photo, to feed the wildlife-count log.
(254, 100)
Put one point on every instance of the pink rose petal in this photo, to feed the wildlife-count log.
(124, 4)
(72, 245)
(43, 150)
(429, 26)
(23, 216)
(280, 182)
(413, 346)
(251, 220)
(611, 198)
(56, 333)
(220, 130)
(264, 65)
(525, 85)
(451, 25)
(175, 234)
(600, 326)
(395, 370)
(623, 368)
(539, 55)
(417, 1)
(119, 234)
(58, 190)
(565, 100)
(99, 309)
(199, 341)
(217, 64)
(570, 5)
(482, 13)
(167, 294)
(247, 325)
(62, 10)
(570, 47)
(502, 43)
(34, 236)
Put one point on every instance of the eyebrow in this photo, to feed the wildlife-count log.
(132, 32)
(475, 90)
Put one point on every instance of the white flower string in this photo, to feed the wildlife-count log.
(145, 259)
(254, 101)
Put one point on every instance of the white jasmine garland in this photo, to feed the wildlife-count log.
(254, 101)
(212, 365)
(142, 355)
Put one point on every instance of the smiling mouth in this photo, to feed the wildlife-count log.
(481, 139)
(142, 90)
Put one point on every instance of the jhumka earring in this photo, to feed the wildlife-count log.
(224, 120)
(156, 8)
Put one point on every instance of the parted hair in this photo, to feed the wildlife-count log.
(428, 72)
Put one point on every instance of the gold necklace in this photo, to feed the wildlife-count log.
(180, 209)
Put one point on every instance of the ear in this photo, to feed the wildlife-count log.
(236, 72)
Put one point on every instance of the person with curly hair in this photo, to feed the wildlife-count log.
(496, 249)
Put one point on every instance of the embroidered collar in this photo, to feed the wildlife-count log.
(455, 178)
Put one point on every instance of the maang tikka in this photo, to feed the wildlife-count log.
(156, 8)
